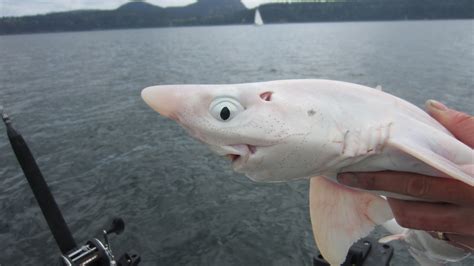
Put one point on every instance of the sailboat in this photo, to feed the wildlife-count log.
(258, 18)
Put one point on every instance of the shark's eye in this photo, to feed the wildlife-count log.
(224, 109)
(225, 113)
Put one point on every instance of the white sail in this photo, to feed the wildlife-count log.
(258, 18)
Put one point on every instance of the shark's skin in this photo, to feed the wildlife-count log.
(291, 129)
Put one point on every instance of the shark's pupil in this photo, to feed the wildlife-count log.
(225, 113)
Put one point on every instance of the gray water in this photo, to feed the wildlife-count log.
(75, 97)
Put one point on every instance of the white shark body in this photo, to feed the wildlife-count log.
(290, 129)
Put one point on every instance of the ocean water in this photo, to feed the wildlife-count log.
(76, 99)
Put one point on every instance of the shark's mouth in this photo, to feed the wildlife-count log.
(233, 157)
(238, 154)
(243, 151)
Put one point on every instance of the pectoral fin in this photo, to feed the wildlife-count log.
(340, 216)
(442, 161)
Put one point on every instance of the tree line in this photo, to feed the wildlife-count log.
(282, 12)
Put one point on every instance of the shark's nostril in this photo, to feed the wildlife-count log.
(266, 96)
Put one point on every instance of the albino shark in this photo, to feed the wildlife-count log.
(291, 129)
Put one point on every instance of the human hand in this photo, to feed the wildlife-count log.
(452, 208)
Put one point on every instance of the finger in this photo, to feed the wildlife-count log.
(414, 185)
(433, 216)
(461, 125)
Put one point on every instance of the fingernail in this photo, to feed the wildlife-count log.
(348, 179)
(433, 105)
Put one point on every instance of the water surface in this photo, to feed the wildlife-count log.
(75, 97)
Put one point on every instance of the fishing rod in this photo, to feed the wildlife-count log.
(93, 252)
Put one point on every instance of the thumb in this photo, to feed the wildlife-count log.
(461, 125)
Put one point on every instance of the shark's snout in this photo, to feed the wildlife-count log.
(161, 99)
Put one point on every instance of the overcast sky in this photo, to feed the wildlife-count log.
(33, 7)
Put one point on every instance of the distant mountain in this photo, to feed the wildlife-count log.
(139, 14)
(136, 14)
(201, 8)
(84, 20)
(138, 6)
(204, 8)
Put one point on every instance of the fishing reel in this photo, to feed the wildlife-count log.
(97, 253)
(365, 252)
